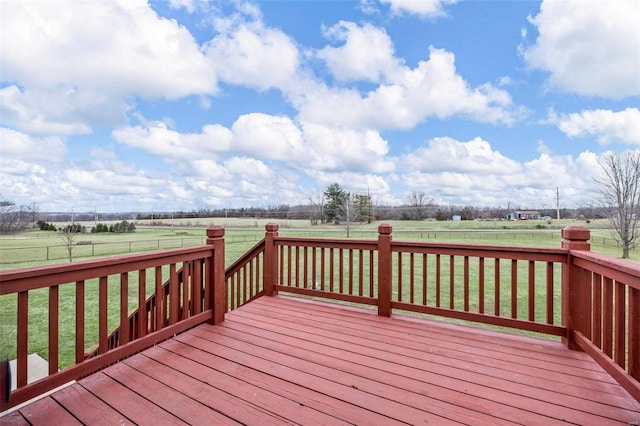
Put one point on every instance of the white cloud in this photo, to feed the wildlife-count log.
(251, 55)
(258, 137)
(447, 154)
(333, 148)
(422, 8)
(251, 168)
(367, 52)
(267, 136)
(473, 173)
(156, 138)
(189, 5)
(566, 172)
(19, 146)
(432, 89)
(359, 183)
(605, 125)
(62, 111)
(119, 47)
(589, 47)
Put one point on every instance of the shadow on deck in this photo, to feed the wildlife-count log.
(283, 360)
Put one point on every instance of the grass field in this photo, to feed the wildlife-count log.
(35, 248)
(27, 250)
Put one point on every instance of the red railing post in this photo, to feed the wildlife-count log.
(384, 270)
(576, 287)
(218, 288)
(270, 259)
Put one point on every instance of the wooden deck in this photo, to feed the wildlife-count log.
(280, 360)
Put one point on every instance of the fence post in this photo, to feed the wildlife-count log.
(218, 287)
(576, 287)
(270, 259)
(384, 270)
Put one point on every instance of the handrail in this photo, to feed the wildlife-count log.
(243, 278)
(605, 315)
(590, 300)
(194, 296)
(349, 270)
(543, 290)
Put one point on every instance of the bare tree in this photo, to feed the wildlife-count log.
(620, 191)
(13, 218)
(419, 203)
(316, 209)
(70, 235)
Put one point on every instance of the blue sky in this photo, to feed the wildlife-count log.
(187, 104)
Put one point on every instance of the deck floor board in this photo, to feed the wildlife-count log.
(283, 360)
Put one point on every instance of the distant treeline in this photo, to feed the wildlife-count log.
(315, 213)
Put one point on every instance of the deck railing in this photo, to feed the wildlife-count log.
(102, 295)
(604, 313)
(591, 301)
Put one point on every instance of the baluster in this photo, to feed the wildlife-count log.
(244, 285)
(466, 284)
(314, 277)
(143, 320)
(160, 299)
(514, 288)
(305, 268)
(597, 310)
(360, 273)
(322, 268)
(634, 333)
(331, 269)
(532, 291)
(54, 292)
(297, 267)
(411, 278)
(452, 282)
(174, 294)
(23, 338)
(197, 286)
(341, 271)
(350, 271)
(481, 288)
(184, 309)
(124, 308)
(550, 294)
(438, 272)
(371, 274)
(399, 276)
(102, 314)
(251, 277)
(424, 280)
(620, 320)
(496, 279)
(607, 317)
(79, 321)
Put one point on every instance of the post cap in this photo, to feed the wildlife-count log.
(576, 238)
(578, 233)
(272, 227)
(215, 231)
(384, 228)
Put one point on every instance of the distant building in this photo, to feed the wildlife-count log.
(523, 215)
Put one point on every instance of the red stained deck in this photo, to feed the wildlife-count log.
(280, 360)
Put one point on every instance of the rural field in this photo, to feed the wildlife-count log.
(35, 248)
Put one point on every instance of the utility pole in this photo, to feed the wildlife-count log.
(558, 202)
